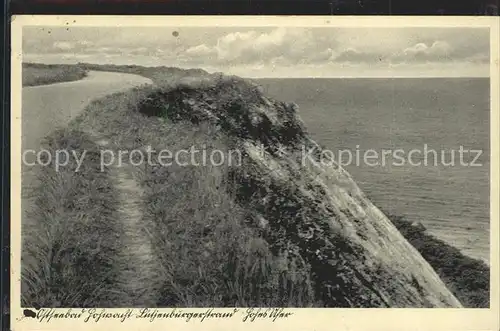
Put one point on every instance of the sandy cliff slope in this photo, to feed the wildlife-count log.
(305, 205)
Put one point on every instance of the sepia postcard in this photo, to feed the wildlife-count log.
(233, 173)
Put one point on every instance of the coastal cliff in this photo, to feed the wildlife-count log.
(280, 228)
(310, 210)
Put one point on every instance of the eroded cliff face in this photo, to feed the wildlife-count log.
(304, 204)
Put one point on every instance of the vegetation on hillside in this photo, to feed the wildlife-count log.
(34, 74)
(467, 278)
(213, 243)
(71, 233)
(208, 252)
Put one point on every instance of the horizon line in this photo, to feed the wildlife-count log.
(382, 76)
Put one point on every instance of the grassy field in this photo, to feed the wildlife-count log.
(207, 248)
(41, 74)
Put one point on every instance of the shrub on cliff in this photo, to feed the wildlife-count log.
(307, 209)
(467, 278)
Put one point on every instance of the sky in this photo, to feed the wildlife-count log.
(271, 51)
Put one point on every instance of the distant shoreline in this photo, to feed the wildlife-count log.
(36, 74)
(119, 66)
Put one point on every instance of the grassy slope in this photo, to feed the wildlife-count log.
(207, 253)
(466, 277)
(40, 74)
(70, 240)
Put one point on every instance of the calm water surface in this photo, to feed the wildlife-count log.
(452, 201)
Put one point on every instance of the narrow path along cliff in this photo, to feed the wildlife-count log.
(136, 278)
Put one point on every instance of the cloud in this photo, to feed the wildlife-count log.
(438, 48)
(293, 46)
(355, 56)
(252, 47)
(201, 51)
(479, 58)
(63, 45)
(290, 45)
(265, 48)
(438, 51)
(85, 43)
(139, 51)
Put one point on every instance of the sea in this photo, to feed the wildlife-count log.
(437, 117)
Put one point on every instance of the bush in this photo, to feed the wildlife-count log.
(467, 278)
